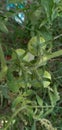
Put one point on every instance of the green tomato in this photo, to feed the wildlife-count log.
(36, 46)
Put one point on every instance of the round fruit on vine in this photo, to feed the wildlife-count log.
(36, 46)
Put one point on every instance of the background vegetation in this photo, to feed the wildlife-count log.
(31, 65)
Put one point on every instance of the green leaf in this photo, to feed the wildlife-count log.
(39, 100)
(18, 100)
(47, 75)
(3, 27)
(12, 82)
(46, 84)
(48, 5)
(35, 16)
(36, 83)
(3, 73)
(47, 35)
(4, 91)
(54, 96)
(18, 53)
(28, 57)
(54, 14)
(57, 1)
(43, 23)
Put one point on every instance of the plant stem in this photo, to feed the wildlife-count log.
(3, 62)
(16, 112)
(55, 54)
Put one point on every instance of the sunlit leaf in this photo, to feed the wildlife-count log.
(47, 75)
(18, 53)
(28, 57)
(46, 84)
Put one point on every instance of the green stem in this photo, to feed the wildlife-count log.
(3, 62)
(42, 61)
(16, 112)
(55, 54)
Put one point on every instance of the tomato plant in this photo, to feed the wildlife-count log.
(28, 90)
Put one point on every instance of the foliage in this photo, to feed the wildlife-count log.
(27, 84)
